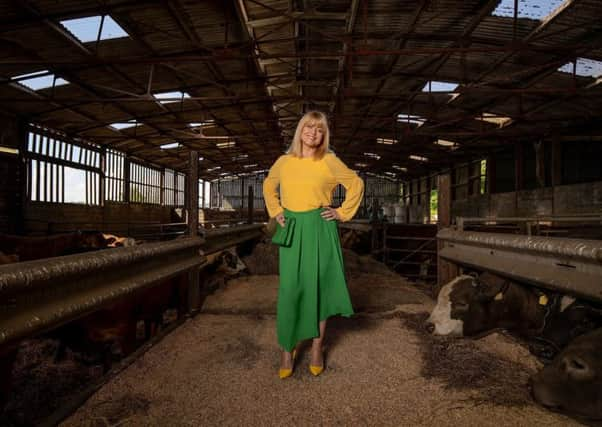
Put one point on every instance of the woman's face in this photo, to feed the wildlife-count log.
(311, 135)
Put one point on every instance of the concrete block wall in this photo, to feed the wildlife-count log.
(572, 199)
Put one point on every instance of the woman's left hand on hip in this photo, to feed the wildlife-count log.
(330, 214)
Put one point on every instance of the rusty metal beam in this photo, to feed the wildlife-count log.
(571, 266)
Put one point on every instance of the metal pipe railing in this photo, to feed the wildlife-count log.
(37, 296)
(572, 266)
(551, 246)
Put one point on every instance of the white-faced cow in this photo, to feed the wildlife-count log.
(469, 306)
(573, 381)
(473, 306)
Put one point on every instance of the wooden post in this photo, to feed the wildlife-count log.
(126, 179)
(22, 197)
(556, 163)
(193, 194)
(103, 177)
(250, 205)
(446, 271)
(518, 167)
(192, 203)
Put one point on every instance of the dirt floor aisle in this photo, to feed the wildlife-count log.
(220, 368)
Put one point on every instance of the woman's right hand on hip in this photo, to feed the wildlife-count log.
(280, 219)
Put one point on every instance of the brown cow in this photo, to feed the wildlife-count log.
(103, 333)
(572, 383)
(8, 259)
(30, 248)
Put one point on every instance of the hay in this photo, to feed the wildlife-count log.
(40, 385)
(462, 365)
(263, 260)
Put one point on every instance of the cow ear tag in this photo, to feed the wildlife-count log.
(543, 300)
(499, 296)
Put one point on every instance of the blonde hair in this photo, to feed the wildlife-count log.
(311, 118)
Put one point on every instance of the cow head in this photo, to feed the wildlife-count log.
(573, 381)
(469, 306)
(112, 241)
(230, 263)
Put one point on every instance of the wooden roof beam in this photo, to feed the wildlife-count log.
(297, 16)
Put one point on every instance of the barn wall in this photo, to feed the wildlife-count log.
(42, 218)
(560, 200)
(10, 187)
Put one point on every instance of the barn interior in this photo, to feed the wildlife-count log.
(474, 124)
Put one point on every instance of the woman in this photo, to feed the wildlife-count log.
(312, 281)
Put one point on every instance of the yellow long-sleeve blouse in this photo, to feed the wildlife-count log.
(306, 183)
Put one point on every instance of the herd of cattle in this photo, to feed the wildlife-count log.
(111, 332)
(558, 327)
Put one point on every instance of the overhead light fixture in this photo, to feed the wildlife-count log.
(391, 174)
(361, 165)
(418, 158)
(250, 166)
(214, 169)
(39, 80)
(399, 168)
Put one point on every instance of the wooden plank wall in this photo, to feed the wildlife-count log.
(117, 218)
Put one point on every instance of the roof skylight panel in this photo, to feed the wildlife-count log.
(532, 9)
(411, 118)
(87, 29)
(39, 80)
(418, 158)
(386, 141)
(170, 146)
(167, 97)
(225, 144)
(496, 119)
(124, 125)
(204, 124)
(439, 86)
(446, 143)
(583, 67)
(372, 156)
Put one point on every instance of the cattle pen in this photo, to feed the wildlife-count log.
(139, 283)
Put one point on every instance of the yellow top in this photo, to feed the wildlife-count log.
(307, 184)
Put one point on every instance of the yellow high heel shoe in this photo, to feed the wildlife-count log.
(285, 373)
(317, 370)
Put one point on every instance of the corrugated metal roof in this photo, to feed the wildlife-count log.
(255, 67)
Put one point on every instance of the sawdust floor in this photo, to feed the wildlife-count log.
(220, 368)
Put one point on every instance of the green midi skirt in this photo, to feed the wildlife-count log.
(312, 279)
